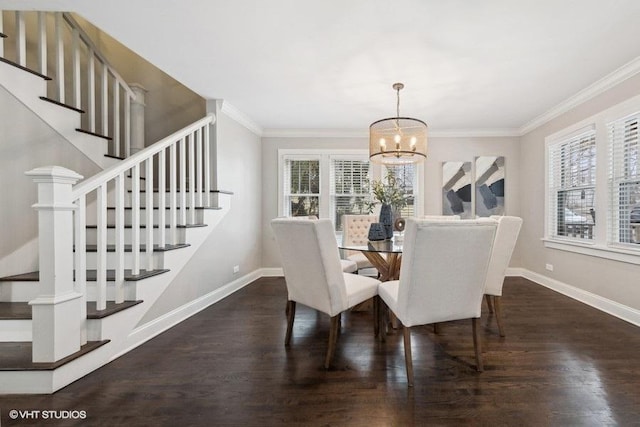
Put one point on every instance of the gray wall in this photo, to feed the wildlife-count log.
(237, 240)
(170, 105)
(27, 142)
(440, 150)
(610, 279)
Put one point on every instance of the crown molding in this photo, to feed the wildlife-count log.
(241, 118)
(363, 133)
(623, 73)
(315, 133)
(474, 133)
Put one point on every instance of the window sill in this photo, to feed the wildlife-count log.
(629, 256)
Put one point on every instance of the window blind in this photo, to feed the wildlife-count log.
(406, 178)
(572, 180)
(349, 188)
(624, 181)
(301, 187)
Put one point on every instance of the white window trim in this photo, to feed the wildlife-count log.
(598, 247)
(324, 155)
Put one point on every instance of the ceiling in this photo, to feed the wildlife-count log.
(467, 65)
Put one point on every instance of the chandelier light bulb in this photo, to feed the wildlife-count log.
(397, 138)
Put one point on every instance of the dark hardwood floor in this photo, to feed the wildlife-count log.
(562, 363)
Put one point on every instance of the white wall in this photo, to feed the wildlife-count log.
(237, 240)
(26, 142)
(613, 280)
(440, 150)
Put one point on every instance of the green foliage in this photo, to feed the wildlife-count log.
(392, 192)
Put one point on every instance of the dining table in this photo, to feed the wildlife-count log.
(384, 255)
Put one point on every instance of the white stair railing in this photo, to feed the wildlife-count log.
(186, 153)
(91, 85)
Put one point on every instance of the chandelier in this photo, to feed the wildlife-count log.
(398, 140)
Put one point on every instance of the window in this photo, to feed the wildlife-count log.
(593, 207)
(406, 176)
(349, 188)
(572, 185)
(624, 180)
(331, 183)
(301, 187)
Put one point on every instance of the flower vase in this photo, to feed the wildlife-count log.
(386, 219)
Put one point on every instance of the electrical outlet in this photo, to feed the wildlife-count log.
(549, 267)
(236, 269)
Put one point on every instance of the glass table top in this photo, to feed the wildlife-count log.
(383, 246)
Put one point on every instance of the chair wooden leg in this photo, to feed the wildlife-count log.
(489, 303)
(291, 314)
(376, 316)
(382, 319)
(435, 328)
(407, 355)
(498, 306)
(333, 338)
(477, 345)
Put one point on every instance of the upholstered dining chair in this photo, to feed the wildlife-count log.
(442, 277)
(355, 231)
(504, 244)
(314, 277)
(348, 266)
(442, 217)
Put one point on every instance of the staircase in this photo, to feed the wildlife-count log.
(110, 244)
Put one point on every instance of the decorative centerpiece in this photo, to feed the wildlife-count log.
(392, 197)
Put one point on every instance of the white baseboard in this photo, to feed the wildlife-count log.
(272, 272)
(151, 329)
(611, 307)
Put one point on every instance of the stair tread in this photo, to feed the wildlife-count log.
(155, 190)
(128, 248)
(88, 132)
(28, 70)
(22, 310)
(128, 208)
(15, 311)
(16, 356)
(34, 276)
(70, 107)
(111, 156)
(155, 226)
(112, 308)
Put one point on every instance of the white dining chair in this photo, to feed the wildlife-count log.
(348, 266)
(355, 231)
(314, 277)
(442, 277)
(505, 243)
(442, 217)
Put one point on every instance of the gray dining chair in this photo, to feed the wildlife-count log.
(314, 276)
(442, 277)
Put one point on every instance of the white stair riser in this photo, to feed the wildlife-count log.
(16, 331)
(156, 197)
(128, 216)
(18, 291)
(111, 240)
(158, 260)
(28, 291)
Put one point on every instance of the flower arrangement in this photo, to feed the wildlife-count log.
(391, 192)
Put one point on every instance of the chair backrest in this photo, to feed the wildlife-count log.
(444, 268)
(503, 246)
(311, 263)
(355, 230)
(442, 217)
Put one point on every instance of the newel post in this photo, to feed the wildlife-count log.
(57, 309)
(137, 118)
